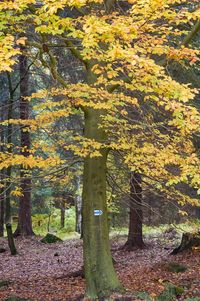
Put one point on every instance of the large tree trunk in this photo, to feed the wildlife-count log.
(101, 279)
(135, 238)
(24, 226)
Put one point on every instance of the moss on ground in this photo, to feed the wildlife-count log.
(50, 238)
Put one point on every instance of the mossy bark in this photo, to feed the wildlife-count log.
(101, 279)
(11, 241)
(62, 218)
(189, 240)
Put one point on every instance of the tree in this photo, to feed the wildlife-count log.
(78, 206)
(135, 238)
(2, 213)
(116, 50)
(2, 183)
(24, 226)
(2, 192)
(63, 200)
(99, 271)
(9, 136)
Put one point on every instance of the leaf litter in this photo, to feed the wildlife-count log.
(42, 272)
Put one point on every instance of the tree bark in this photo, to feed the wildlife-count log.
(11, 241)
(135, 237)
(189, 240)
(109, 5)
(1, 212)
(198, 212)
(101, 279)
(49, 222)
(192, 33)
(8, 170)
(24, 226)
(78, 205)
(2, 189)
(62, 217)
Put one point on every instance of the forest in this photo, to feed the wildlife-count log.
(99, 150)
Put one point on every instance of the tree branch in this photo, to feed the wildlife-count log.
(191, 34)
(109, 4)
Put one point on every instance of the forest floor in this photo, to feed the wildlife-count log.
(41, 272)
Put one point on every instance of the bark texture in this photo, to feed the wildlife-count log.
(135, 237)
(101, 279)
(62, 217)
(189, 240)
(24, 226)
(11, 241)
(1, 213)
(9, 134)
(78, 205)
(2, 189)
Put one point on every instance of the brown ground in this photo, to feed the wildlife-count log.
(40, 272)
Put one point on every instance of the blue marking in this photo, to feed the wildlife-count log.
(98, 212)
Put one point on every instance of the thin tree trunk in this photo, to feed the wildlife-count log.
(198, 212)
(48, 223)
(78, 205)
(135, 238)
(62, 217)
(24, 226)
(8, 171)
(101, 279)
(11, 241)
(2, 189)
(1, 212)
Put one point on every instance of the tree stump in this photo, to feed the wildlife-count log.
(189, 240)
